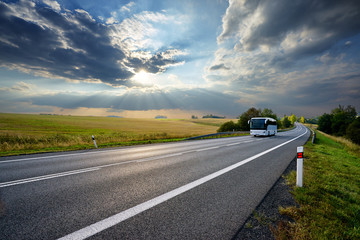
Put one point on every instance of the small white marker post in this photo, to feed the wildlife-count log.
(94, 141)
(299, 170)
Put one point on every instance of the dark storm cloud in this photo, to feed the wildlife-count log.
(194, 99)
(157, 63)
(316, 25)
(317, 98)
(301, 54)
(219, 66)
(66, 44)
(342, 89)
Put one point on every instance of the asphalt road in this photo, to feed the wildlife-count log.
(202, 189)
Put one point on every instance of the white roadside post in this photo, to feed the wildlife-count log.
(299, 170)
(93, 138)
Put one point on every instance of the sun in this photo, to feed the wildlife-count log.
(144, 78)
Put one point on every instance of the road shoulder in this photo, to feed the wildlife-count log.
(266, 215)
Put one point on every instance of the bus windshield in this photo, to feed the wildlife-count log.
(257, 124)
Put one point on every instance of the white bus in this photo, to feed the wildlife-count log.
(262, 126)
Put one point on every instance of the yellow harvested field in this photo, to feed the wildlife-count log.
(21, 133)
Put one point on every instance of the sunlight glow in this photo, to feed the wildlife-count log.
(144, 78)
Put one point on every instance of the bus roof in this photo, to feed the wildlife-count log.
(271, 119)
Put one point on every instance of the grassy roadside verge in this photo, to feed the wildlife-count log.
(330, 199)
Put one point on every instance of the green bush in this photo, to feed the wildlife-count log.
(337, 122)
(325, 123)
(228, 127)
(243, 125)
(353, 131)
(286, 122)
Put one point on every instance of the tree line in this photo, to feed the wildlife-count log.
(242, 123)
(342, 121)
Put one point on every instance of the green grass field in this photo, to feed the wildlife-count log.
(23, 133)
(330, 199)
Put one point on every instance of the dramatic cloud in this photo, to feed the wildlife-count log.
(18, 87)
(43, 40)
(280, 51)
(219, 66)
(202, 56)
(192, 99)
(53, 4)
(300, 27)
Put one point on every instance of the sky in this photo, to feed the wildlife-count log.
(145, 58)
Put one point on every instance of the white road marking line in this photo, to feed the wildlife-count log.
(205, 149)
(61, 155)
(57, 156)
(50, 176)
(160, 157)
(232, 144)
(124, 215)
(62, 174)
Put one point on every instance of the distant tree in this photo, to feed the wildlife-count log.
(213, 116)
(208, 116)
(242, 124)
(285, 122)
(324, 123)
(292, 119)
(338, 121)
(194, 117)
(268, 113)
(341, 119)
(312, 120)
(160, 117)
(302, 119)
(246, 116)
(228, 127)
(353, 131)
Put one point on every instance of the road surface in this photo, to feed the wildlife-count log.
(202, 189)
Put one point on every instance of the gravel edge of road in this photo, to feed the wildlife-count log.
(266, 214)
